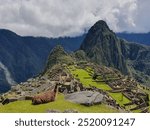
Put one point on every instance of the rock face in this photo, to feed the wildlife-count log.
(87, 98)
(102, 46)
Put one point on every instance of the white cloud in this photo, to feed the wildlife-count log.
(55, 18)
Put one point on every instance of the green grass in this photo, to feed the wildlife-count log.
(119, 98)
(60, 104)
(87, 80)
(136, 111)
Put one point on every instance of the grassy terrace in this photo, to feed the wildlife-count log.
(60, 104)
(86, 79)
(119, 98)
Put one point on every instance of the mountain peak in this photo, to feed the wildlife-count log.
(98, 34)
(99, 26)
(58, 49)
(103, 47)
(101, 23)
(58, 56)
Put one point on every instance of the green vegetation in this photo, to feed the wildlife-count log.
(87, 80)
(136, 111)
(80, 56)
(60, 104)
(119, 98)
(58, 55)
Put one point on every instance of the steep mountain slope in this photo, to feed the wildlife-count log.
(19, 58)
(103, 47)
(25, 57)
(58, 56)
(143, 38)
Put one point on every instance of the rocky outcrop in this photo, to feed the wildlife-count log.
(87, 98)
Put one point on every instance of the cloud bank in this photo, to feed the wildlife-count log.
(54, 18)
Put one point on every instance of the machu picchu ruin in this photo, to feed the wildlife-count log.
(86, 84)
(100, 77)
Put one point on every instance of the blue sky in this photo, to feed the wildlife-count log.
(54, 18)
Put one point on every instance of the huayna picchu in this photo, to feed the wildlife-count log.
(102, 46)
(106, 74)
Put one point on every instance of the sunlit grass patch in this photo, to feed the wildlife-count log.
(119, 98)
(87, 80)
(60, 104)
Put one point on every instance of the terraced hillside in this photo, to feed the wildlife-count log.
(85, 76)
(82, 73)
(100, 88)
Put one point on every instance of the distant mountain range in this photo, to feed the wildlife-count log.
(24, 57)
(143, 38)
